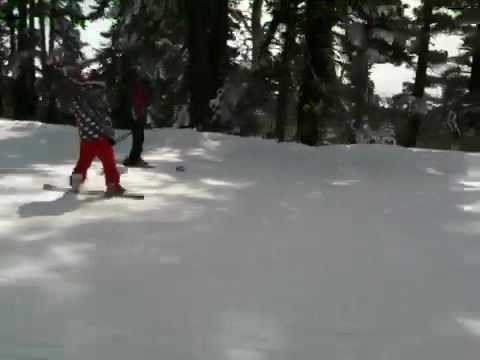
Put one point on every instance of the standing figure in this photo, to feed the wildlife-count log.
(140, 98)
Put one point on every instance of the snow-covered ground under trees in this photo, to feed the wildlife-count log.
(257, 251)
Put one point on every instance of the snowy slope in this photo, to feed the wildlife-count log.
(258, 251)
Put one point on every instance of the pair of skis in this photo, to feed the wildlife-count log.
(127, 195)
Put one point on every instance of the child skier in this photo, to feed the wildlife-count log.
(86, 99)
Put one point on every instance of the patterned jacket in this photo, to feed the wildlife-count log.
(91, 112)
(87, 101)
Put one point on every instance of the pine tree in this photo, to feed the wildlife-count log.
(249, 95)
(431, 19)
(461, 83)
(317, 93)
(3, 61)
(376, 32)
(64, 19)
(148, 36)
(424, 36)
(28, 43)
(257, 31)
(7, 49)
(207, 48)
(24, 93)
(289, 9)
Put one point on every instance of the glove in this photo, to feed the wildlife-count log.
(110, 136)
(109, 132)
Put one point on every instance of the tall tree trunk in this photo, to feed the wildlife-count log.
(31, 17)
(474, 82)
(20, 91)
(218, 40)
(414, 121)
(13, 40)
(43, 35)
(31, 73)
(290, 8)
(51, 22)
(270, 33)
(257, 32)
(2, 91)
(207, 45)
(360, 78)
(199, 69)
(52, 110)
(12, 29)
(319, 76)
(24, 85)
(12, 50)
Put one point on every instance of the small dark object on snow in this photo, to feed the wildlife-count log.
(180, 168)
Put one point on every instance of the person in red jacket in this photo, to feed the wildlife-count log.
(140, 97)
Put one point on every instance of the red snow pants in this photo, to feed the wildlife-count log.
(102, 149)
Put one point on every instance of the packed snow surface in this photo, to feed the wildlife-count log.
(257, 251)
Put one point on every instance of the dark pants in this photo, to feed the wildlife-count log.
(138, 137)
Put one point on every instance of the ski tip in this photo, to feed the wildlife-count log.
(136, 197)
(125, 196)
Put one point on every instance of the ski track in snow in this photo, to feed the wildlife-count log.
(257, 251)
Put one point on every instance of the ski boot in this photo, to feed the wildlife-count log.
(114, 190)
(76, 182)
(140, 163)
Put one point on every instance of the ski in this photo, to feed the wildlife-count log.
(127, 195)
(122, 169)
